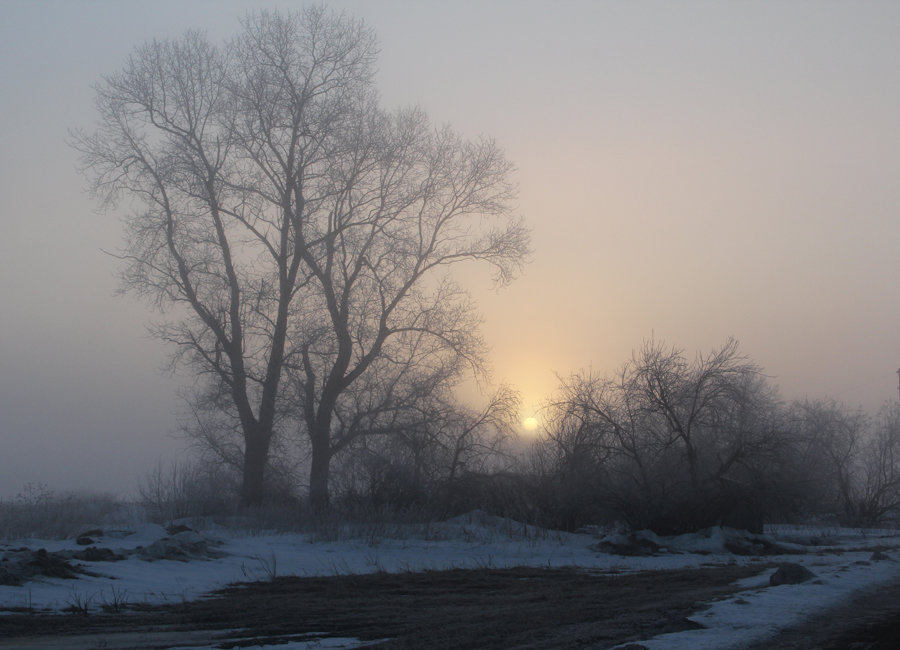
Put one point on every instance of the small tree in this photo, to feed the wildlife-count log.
(880, 489)
(829, 439)
(852, 460)
(282, 217)
(434, 445)
(667, 443)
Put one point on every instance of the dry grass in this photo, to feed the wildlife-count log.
(38, 512)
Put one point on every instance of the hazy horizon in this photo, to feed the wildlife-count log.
(691, 171)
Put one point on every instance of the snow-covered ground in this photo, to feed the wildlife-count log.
(840, 558)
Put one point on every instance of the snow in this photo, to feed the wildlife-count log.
(761, 611)
(840, 559)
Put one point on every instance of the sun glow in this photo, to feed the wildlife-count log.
(530, 423)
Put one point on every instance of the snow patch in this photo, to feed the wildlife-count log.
(843, 566)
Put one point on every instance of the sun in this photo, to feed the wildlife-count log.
(530, 423)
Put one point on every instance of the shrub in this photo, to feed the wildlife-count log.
(38, 511)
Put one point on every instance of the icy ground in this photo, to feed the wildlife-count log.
(841, 559)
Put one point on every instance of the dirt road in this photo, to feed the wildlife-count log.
(487, 608)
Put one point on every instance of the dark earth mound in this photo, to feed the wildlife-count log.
(19, 565)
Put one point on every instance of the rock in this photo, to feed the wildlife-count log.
(191, 541)
(174, 529)
(88, 536)
(183, 546)
(51, 565)
(633, 544)
(741, 542)
(94, 554)
(790, 574)
(165, 549)
(744, 547)
(879, 556)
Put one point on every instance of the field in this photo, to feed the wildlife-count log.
(472, 582)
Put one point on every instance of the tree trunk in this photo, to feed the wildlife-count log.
(256, 454)
(318, 474)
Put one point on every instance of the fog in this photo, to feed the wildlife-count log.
(690, 171)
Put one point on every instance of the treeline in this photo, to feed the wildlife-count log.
(674, 444)
(667, 442)
(302, 242)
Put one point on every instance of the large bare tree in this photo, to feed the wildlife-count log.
(284, 220)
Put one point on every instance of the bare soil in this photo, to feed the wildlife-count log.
(485, 608)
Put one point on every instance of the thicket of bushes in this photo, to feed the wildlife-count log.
(666, 443)
(37, 511)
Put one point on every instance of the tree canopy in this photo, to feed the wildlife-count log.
(296, 234)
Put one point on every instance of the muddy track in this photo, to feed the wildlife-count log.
(486, 608)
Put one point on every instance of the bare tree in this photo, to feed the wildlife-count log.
(852, 459)
(880, 487)
(436, 445)
(281, 216)
(667, 441)
(830, 438)
(709, 408)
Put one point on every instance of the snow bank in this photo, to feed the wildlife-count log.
(761, 610)
(476, 540)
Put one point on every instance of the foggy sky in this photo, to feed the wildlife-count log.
(691, 171)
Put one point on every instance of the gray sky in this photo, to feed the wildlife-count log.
(691, 170)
